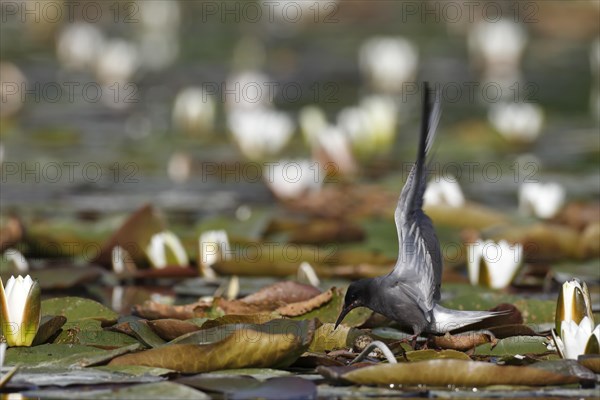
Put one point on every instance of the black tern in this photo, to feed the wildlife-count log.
(409, 294)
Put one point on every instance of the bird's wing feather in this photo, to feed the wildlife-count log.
(419, 265)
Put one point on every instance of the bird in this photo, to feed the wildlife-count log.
(410, 293)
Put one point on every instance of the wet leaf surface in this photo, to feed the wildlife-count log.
(277, 343)
(79, 309)
(450, 372)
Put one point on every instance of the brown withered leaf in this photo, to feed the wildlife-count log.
(275, 344)
(259, 318)
(170, 328)
(462, 342)
(443, 372)
(11, 233)
(133, 235)
(281, 293)
(151, 310)
(302, 307)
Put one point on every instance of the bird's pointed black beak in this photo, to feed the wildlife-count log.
(344, 312)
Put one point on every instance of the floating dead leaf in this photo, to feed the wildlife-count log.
(329, 312)
(277, 344)
(471, 215)
(449, 372)
(282, 293)
(430, 354)
(171, 328)
(152, 310)
(302, 307)
(133, 235)
(463, 342)
(259, 318)
(578, 215)
(591, 362)
(317, 231)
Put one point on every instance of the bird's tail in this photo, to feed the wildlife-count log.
(447, 320)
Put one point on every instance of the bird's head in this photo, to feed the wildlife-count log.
(356, 296)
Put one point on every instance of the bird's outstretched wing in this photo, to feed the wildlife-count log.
(419, 265)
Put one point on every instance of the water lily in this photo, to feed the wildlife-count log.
(444, 192)
(194, 111)
(517, 122)
(290, 179)
(19, 261)
(307, 274)
(122, 261)
(371, 126)
(166, 249)
(577, 338)
(498, 45)
(260, 132)
(493, 264)
(573, 303)
(21, 310)
(333, 150)
(213, 247)
(388, 62)
(312, 121)
(544, 200)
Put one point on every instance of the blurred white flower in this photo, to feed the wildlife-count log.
(290, 179)
(499, 44)
(577, 339)
(517, 122)
(334, 149)
(15, 257)
(544, 200)
(573, 304)
(2, 352)
(79, 45)
(213, 247)
(371, 127)
(13, 86)
(312, 121)
(260, 132)
(122, 261)
(388, 62)
(307, 274)
(117, 61)
(166, 249)
(194, 111)
(249, 90)
(179, 167)
(159, 15)
(493, 264)
(20, 306)
(443, 192)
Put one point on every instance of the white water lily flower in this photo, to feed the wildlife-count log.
(122, 260)
(493, 264)
(544, 200)
(248, 90)
(117, 61)
(312, 121)
(20, 310)
(260, 132)
(213, 247)
(290, 179)
(498, 44)
(78, 45)
(444, 192)
(166, 249)
(517, 122)
(2, 352)
(574, 303)
(577, 339)
(307, 274)
(371, 127)
(388, 62)
(194, 111)
(18, 260)
(336, 147)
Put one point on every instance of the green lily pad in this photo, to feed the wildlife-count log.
(79, 309)
(96, 338)
(49, 325)
(514, 345)
(327, 338)
(329, 312)
(277, 343)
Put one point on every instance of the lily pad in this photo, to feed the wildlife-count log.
(277, 344)
(49, 326)
(514, 345)
(453, 372)
(327, 338)
(79, 309)
(330, 312)
(96, 338)
(429, 354)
